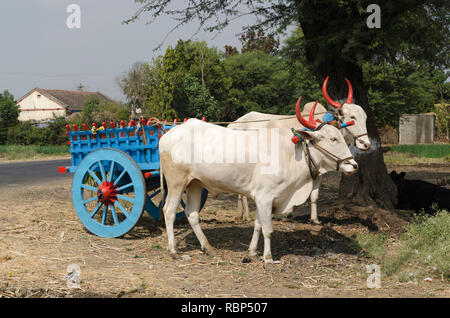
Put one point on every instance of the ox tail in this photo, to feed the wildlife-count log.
(163, 194)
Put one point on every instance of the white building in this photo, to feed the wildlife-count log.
(41, 105)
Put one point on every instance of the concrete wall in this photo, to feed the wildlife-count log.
(39, 108)
(416, 129)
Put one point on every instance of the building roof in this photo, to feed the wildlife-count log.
(71, 100)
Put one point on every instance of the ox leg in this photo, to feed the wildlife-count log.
(194, 196)
(314, 198)
(246, 214)
(254, 242)
(242, 207)
(264, 213)
(170, 207)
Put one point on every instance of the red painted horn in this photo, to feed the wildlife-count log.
(311, 124)
(350, 93)
(332, 102)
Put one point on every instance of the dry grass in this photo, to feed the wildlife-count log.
(40, 235)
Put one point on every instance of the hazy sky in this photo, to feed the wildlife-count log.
(39, 50)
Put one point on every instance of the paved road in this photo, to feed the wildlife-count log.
(33, 172)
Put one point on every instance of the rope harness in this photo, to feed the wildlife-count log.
(312, 165)
(338, 117)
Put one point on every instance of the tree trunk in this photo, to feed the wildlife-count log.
(371, 185)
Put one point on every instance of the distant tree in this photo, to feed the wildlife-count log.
(230, 51)
(200, 101)
(187, 61)
(404, 88)
(90, 108)
(256, 39)
(134, 86)
(98, 111)
(9, 114)
(260, 82)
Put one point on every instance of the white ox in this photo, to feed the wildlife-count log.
(273, 190)
(353, 135)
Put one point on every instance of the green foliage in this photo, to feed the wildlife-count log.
(374, 245)
(20, 152)
(260, 82)
(25, 133)
(425, 243)
(404, 88)
(427, 151)
(200, 101)
(442, 112)
(175, 78)
(96, 111)
(422, 250)
(9, 114)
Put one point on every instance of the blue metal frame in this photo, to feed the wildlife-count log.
(125, 139)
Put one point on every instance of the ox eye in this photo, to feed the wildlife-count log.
(333, 139)
(353, 117)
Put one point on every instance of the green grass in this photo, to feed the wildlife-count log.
(21, 152)
(423, 250)
(426, 151)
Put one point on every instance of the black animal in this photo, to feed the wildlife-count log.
(417, 194)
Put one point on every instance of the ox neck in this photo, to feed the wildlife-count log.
(330, 155)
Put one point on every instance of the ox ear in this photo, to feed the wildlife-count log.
(307, 134)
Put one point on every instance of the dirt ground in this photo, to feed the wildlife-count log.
(40, 236)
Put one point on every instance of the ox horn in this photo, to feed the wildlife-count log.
(332, 102)
(311, 124)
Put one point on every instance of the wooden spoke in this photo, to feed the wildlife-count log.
(94, 176)
(124, 197)
(125, 186)
(111, 171)
(120, 206)
(90, 200)
(88, 187)
(105, 213)
(97, 208)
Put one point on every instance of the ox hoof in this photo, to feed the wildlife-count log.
(271, 265)
(175, 256)
(209, 250)
(315, 222)
(253, 257)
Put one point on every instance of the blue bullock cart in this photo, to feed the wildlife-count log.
(116, 175)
